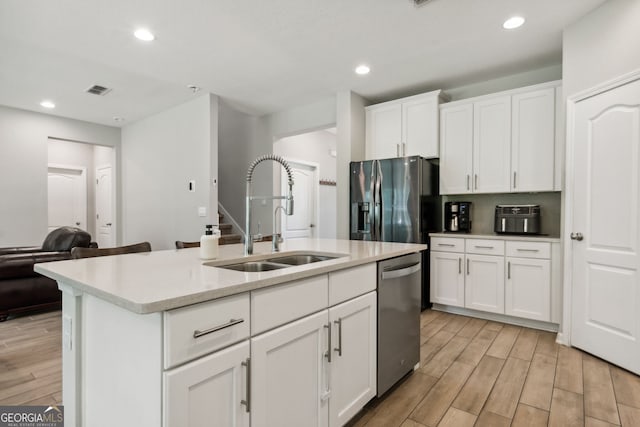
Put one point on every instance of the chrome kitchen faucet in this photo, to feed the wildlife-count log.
(248, 239)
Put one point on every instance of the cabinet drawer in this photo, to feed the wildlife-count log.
(447, 244)
(529, 249)
(217, 324)
(278, 305)
(350, 283)
(484, 246)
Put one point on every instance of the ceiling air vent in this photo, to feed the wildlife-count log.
(98, 90)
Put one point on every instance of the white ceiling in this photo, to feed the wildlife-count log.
(262, 55)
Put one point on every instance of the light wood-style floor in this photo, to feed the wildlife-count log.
(479, 373)
(473, 372)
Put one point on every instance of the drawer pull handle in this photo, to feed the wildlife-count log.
(339, 348)
(509, 270)
(449, 245)
(327, 354)
(232, 322)
(247, 402)
(484, 247)
(528, 250)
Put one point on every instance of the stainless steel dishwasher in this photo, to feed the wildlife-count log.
(399, 281)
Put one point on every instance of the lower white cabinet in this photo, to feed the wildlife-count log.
(484, 283)
(447, 278)
(210, 391)
(528, 288)
(317, 371)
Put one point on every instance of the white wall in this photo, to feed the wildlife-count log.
(24, 139)
(161, 154)
(602, 45)
(315, 147)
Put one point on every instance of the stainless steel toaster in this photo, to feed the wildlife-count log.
(517, 219)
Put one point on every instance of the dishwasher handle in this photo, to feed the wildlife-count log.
(401, 272)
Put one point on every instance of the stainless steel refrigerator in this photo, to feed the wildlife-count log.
(397, 200)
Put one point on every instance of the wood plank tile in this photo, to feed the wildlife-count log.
(629, 416)
(433, 327)
(361, 418)
(428, 316)
(477, 347)
(538, 387)
(566, 409)
(626, 386)
(433, 345)
(503, 399)
(504, 341)
(410, 423)
(569, 370)
(445, 357)
(525, 344)
(494, 326)
(547, 343)
(437, 402)
(489, 419)
(456, 324)
(527, 416)
(599, 397)
(474, 394)
(31, 390)
(457, 418)
(397, 406)
(472, 328)
(593, 422)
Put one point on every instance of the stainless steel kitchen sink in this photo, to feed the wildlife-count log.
(254, 266)
(301, 259)
(271, 262)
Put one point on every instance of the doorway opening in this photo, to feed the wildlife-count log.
(312, 156)
(81, 189)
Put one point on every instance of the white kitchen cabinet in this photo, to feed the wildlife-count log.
(209, 391)
(500, 143)
(533, 141)
(403, 127)
(528, 283)
(456, 149)
(289, 374)
(484, 283)
(353, 359)
(447, 278)
(491, 145)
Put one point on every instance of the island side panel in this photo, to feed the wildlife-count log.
(121, 365)
(71, 354)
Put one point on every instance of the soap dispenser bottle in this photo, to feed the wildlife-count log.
(209, 243)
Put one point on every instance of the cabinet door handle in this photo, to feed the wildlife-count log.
(509, 270)
(339, 348)
(484, 247)
(404, 149)
(475, 177)
(468, 182)
(514, 179)
(247, 401)
(459, 265)
(328, 352)
(397, 150)
(449, 245)
(230, 323)
(528, 250)
(467, 266)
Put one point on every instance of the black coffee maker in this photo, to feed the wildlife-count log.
(457, 217)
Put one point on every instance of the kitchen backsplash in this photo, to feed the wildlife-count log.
(484, 205)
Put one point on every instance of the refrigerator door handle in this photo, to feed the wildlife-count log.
(372, 200)
(379, 178)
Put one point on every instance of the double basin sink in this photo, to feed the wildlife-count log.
(275, 263)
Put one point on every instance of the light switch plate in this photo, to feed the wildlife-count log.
(202, 211)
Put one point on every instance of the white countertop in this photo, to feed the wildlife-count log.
(162, 280)
(518, 237)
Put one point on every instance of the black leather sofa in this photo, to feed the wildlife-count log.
(21, 288)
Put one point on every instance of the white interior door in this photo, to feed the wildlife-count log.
(67, 197)
(606, 212)
(104, 207)
(303, 222)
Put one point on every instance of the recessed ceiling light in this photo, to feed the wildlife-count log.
(144, 35)
(48, 104)
(193, 88)
(362, 69)
(513, 22)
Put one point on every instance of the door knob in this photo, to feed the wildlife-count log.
(577, 236)
(77, 223)
(108, 224)
(311, 225)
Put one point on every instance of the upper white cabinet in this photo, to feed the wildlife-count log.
(500, 143)
(403, 127)
(532, 141)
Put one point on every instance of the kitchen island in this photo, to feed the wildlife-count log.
(152, 339)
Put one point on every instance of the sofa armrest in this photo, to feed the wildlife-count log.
(14, 266)
(20, 250)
